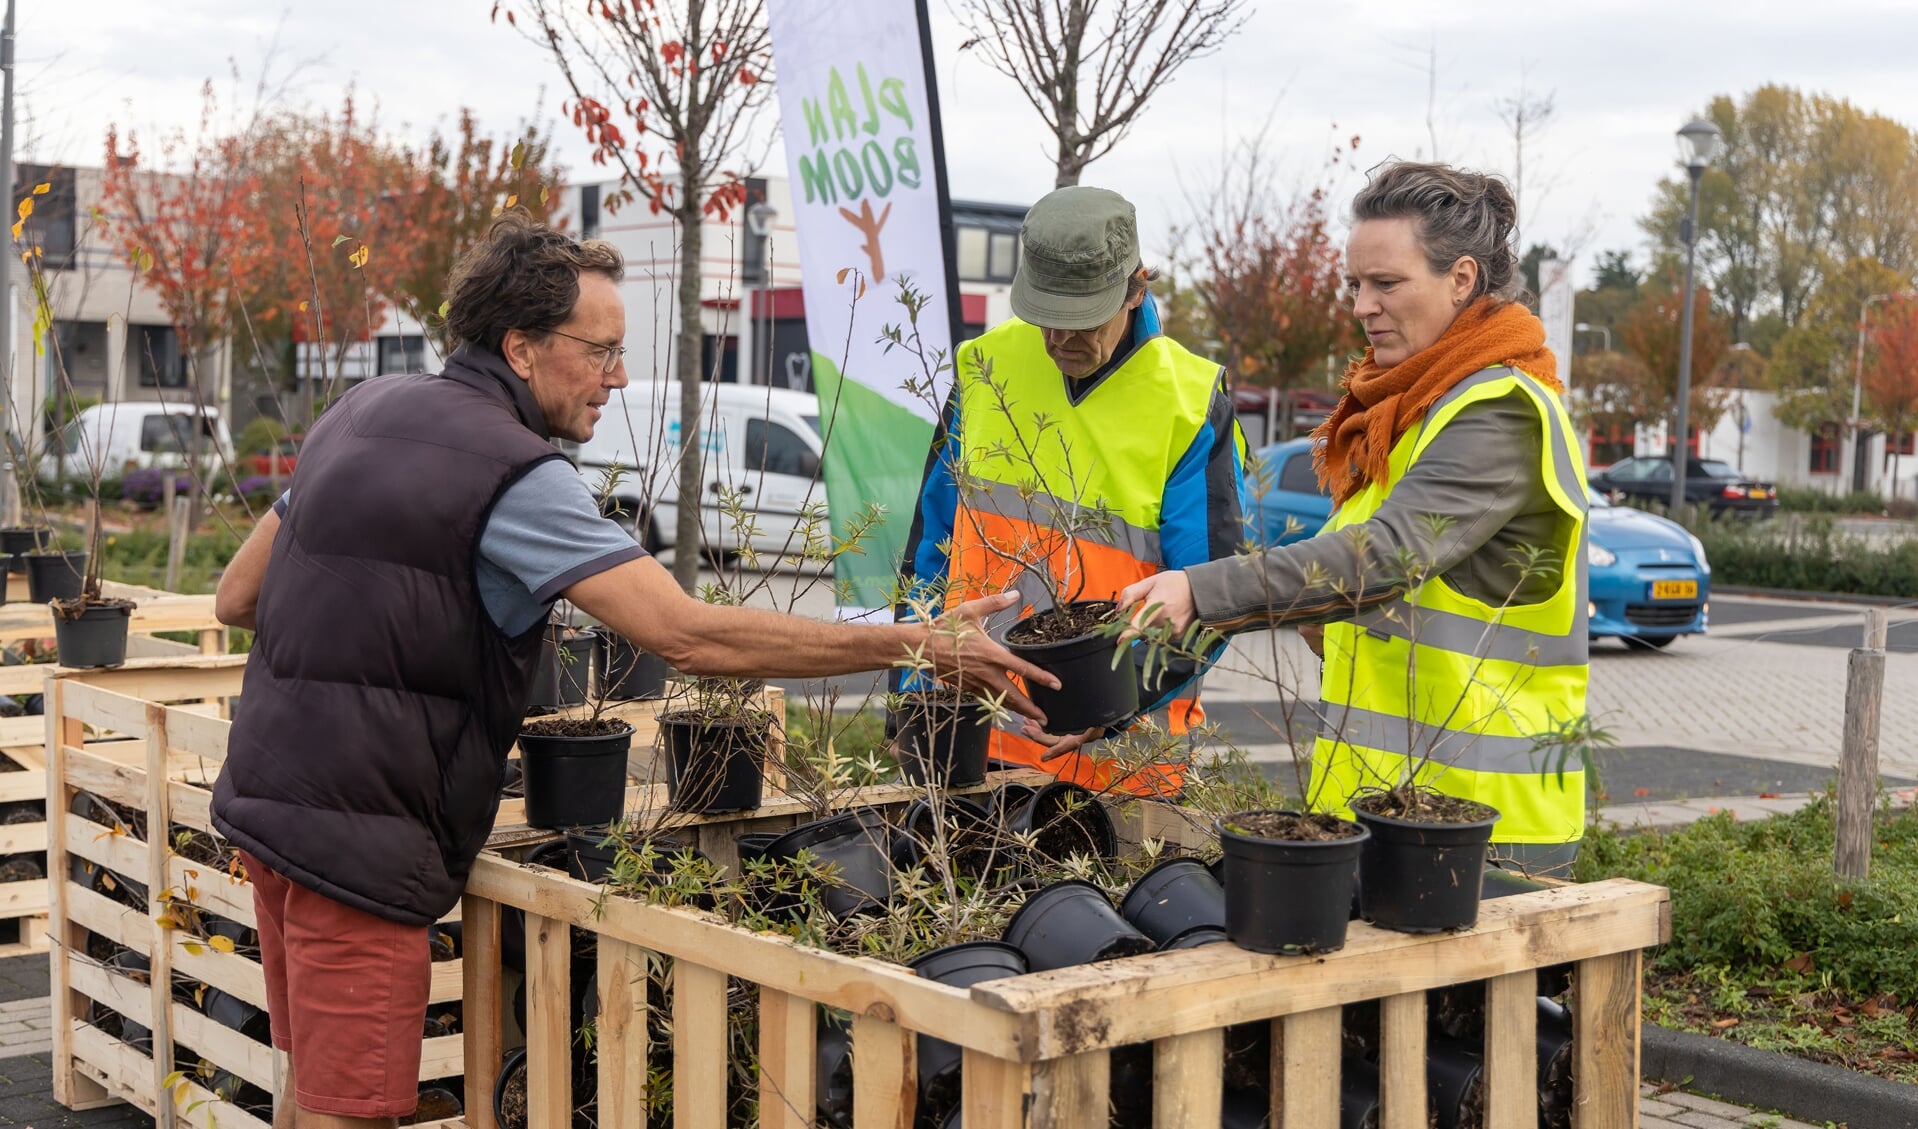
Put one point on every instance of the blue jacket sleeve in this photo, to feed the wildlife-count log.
(926, 560)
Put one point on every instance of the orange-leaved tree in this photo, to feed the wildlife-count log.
(665, 94)
(1890, 377)
(1652, 332)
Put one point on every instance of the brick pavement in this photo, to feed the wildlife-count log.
(1676, 1109)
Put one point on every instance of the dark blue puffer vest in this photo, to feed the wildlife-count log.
(380, 699)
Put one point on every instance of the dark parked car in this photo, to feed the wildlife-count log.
(1711, 483)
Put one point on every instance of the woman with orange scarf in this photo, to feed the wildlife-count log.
(1453, 563)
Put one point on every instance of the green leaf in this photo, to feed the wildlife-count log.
(339, 239)
(519, 153)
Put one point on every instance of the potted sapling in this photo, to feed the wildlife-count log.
(90, 628)
(573, 768)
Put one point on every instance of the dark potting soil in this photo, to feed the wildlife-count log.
(199, 846)
(21, 868)
(1055, 625)
(1422, 805)
(435, 1105)
(1292, 827)
(512, 1100)
(573, 727)
(1064, 836)
(74, 609)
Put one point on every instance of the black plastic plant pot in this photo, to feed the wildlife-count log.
(944, 742)
(1454, 1083)
(574, 781)
(714, 766)
(232, 1012)
(514, 1067)
(752, 845)
(1098, 686)
(957, 966)
(1421, 877)
(437, 1103)
(1172, 899)
(1071, 923)
(1196, 938)
(858, 846)
(18, 540)
(55, 576)
(98, 638)
(832, 1055)
(1066, 819)
(586, 858)
(1247, 1107)
(565, 668)
(970, 835)
(1130, 1086)
(1555, 1059)
(1358, 1093)
(628, 673)
(1287, 897)
(1008, 798)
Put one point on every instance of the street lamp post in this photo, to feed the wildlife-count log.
(1587, 327)
(1858, 382)
(760, 219)
(1701, 139)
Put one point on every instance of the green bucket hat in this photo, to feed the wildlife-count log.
(1077, 248)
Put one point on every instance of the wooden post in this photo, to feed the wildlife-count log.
(1605, 1069)
(178, 517)
(1858, 762)
(480, 1006)
(160, 964)
(71, 1088)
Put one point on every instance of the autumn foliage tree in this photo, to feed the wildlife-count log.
(1268, 275)
(1651, 334)
(665, 94)
(1890, 376)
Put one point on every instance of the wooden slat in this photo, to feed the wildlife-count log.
(788, 1027)
(19, 838)
(1402, 1098)
(24, 897)
(1511, 1051)
(159, 680)
(448, 982)
(218, 1044)
(162, 960)
(89, 770)
(123, 994)
(195, 734)
(1116, 1003)
(994, 1092)
(1070, 1092)
(549, 1033)
(1605, 1018)
(443, 1057)
(620, 1037)
(71, 1087)
(1308, 1089)
(1188, 1079)
(699, 1047)
(236, 975)
(17, 786)
(122, 854)
(480, 1006)
(212, 890)
(192, 806)
(107, 710)
(111, 1059)
(855, 984)
(885, 1086)
(117, 923)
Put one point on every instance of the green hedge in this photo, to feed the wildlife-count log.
(1808, 555)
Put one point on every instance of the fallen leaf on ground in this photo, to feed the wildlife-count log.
(1726, 1023)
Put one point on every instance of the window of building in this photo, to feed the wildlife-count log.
(157, 352)
(1005, 256)
(1612, 445)
(52, 225)
(777, 450)
(1825, 441)
(1902, 445)
(403, 354)
(589, 211)
(972, 254)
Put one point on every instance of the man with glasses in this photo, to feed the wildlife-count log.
(1079, 404)
(400, 593)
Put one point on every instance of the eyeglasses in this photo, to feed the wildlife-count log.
(614, 353)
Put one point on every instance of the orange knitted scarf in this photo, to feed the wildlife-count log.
(1380, 404)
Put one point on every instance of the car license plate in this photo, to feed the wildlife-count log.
(1759, 493)
(1674, 589)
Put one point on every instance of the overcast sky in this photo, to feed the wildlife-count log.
(1624, 74)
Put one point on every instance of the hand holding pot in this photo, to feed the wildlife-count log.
(962, 653)
(1162, 598)
(1057, 746)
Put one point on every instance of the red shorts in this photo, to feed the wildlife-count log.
(347, 995)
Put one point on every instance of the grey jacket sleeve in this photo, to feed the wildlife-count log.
(1473, 497)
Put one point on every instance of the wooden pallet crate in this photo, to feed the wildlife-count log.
(1037, 1048)
(23, 739)
(151, 736)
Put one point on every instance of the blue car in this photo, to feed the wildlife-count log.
(1290, 508)
(1650, 581)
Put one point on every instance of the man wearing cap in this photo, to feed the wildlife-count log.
(1079, 405)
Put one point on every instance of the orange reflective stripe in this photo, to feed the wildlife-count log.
(1183, 715)
(1089, 772)
(988, 550)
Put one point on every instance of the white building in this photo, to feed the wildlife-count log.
(1751, 437)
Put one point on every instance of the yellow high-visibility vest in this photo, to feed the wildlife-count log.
(1471, 687)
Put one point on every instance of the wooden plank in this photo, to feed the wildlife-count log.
(1605, 1016)
(191, 732)
(25, 897)
(480, 1006)
(443, 1057)
(129, 997)
(121, 1070)
(17, 731)
(788, 1026)
(448, 982)
(1071, 1092)
(163, 680)
(117, 923)
(857, 985)
(156, 881)
(885, 1085)
(1402, 1098)
(18, 786)
(152, 647)
(19, 838)
(619, 1036)
(236, 975)
(549, 1034)
(1511, 1051)
(212, 890)
(1188, 1078)
(1308, 1070)
(1116, 1003)
(120, 853)
(218, 1044)
(86, 770)
(192, 806)
(995, 1093)
(107, 711)
(699, 1042)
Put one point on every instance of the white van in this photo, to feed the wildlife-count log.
(126, 435)
(762, 442)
